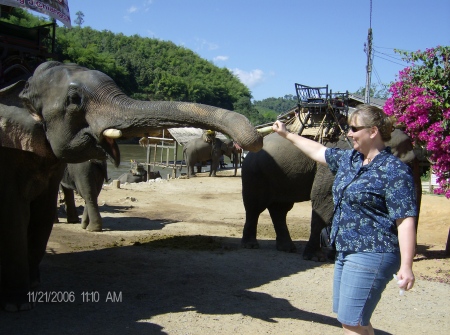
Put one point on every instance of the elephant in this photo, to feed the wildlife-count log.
(66, 113)
(137, 174)
(280, 175)
(87, 179)
(198, 150)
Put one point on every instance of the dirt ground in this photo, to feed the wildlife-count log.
(169, 261)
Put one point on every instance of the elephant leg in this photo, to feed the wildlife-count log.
(321, 215)
(43, 210)
(191, 170)
(71, 209)
(15, 270)
(85, 218)
(313, 250)
(278, 212)
(89, 189)
(214, 166)
(249, 240)
(91, 216)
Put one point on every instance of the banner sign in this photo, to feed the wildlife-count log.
(57, 9)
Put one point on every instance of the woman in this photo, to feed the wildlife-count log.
(374, 218)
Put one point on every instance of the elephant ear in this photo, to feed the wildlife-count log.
(19, 130)
(401, 146)
(31, 95)
(9, 95)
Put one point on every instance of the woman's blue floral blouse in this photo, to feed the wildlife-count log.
(368, 199)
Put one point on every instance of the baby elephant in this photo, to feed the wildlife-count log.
(87, 179)
(138, 174)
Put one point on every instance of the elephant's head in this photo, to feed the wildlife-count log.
(82, 112)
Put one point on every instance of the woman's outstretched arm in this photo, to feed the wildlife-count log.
(310, 148)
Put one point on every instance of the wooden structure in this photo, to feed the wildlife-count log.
(322, 109)
(164, 147)
(23, 49)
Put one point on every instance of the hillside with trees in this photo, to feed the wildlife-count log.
(147, 68)
(270, 108)
(151, 69)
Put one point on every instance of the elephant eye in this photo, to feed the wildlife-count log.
(74, 97)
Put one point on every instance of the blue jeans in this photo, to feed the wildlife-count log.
(359, 280)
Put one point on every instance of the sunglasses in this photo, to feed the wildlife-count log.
(356, 129)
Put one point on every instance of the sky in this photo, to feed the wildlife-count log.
(273, 44)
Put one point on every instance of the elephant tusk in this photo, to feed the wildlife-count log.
(112, 133)
(265, 130)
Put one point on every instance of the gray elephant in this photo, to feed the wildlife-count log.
(66, 113)
(280, 175)
(137, 174)
(198, 150)
(87, 179)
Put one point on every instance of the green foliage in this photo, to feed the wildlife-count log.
(378, 92)
(22, 18)
(245, 107)
(151, 69)
(426, 176)
(79, 20)
(270, 108)
(431, 67)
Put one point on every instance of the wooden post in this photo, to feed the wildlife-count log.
(167, 156)
(154, 156)
(175, 151)
(148, 160)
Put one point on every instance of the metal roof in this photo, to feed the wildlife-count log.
(373, 101)
(181, 135)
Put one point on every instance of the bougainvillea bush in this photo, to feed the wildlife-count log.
(420, 101)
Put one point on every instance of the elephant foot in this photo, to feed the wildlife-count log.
(317, 255)
(73, 220)
(314, 256)
(94, 227)
(14, 303)
(286, 247)
(250, 244)
(14, 308)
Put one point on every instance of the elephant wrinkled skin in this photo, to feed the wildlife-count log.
(66, 113)
(280, 175)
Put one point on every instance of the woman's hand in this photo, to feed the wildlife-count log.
(280, 128)
(405, 279)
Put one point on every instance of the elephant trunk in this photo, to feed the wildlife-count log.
(135, 118)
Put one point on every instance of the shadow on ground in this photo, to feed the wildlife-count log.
(137, 282)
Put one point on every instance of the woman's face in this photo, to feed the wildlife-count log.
(360, 134)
